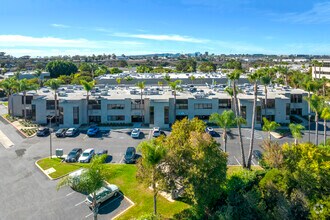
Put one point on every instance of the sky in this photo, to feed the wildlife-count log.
(131, 27)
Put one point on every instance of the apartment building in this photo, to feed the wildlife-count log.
(114, 104)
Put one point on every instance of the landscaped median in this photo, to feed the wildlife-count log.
(124, 176)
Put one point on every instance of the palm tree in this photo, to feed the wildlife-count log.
(93, 67)
(160, 83)
(141, 86)
(24, 86)
(230, 92)
(38, 73)
(10, 87)
(269, 126)
(296, 131)
(175, 88)
(309, 86)
(55, 84)
(325, 115)
(265, 80)
(315, 63)
(316, 103)
(254, 77)
(88, 86)
(284, 71)
(225, 121)
(153, 152)
(90, 181)
(234, 76)
(192, 78)
(167, 78)
(118, 80)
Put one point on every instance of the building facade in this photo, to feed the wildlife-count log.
(158, 107)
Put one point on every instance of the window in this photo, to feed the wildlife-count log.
(75, 115)
(152, 114)
(136, 104)
(94, 119)
(287, 111)
(202, 117)
(296, 98)
(116, 106)
(224, 103)
(33, 114)
(182, 103)
(28, 99)
(243, 112)
(94, 104)
(166, 115)
(50, 104)
(270, 103)
(203, 106)
(116, 117)
(258, 114)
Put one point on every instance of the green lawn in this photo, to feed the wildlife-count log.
(124, 176)
(4, 103)
(61, 168)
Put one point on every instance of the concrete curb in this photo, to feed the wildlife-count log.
(16, 127)
(49, 177)
(132, 204)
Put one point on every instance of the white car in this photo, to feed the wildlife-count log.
(135, 133)
(156, 132)
(103, 194)
(87, 156)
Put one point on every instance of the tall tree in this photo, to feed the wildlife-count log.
(269, 126)
(60, 67)
(234, 76)
(90, 181)
(24, 86)
(153, 152)
(141, 86)
(265, 80)
(325, 115)
(309, 86)
(253, 78)
(225, 121)
(10, 86)
(88, 86)
(55, 84)
(296, 131)
(175, 87)
(316, 103)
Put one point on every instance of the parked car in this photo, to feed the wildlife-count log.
(74, 155)
(43, 131)
(103, 194)
(71, 132)
(87, 156)
(92, 131)
(135, 133)
(257, 155)
(156, 132)
(210, 131)
(130, 155)
(61, 132)
(101, 152)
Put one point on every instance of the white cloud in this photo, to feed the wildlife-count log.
(320, 13)
(60, 26)
(28, 41)
(162, 37)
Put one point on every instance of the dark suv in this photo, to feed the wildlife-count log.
(43, 131)
(130, 155)
(60, 132)
(73, 155)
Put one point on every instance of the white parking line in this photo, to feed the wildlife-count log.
(237, 161)
(121, 160)
(5, 141)
(69, 194)
(85, 137)
(253, 162)
(89, 215)
(79, 203)
(150, 132)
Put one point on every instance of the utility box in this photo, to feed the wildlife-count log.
(59, 152)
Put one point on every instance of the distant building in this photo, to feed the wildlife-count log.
(321, 71)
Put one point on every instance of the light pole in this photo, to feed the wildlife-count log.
(50, 135)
